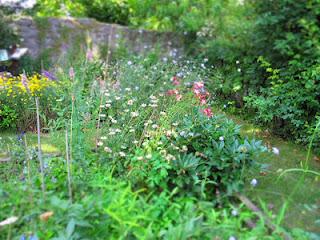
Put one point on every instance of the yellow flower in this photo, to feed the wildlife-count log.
(21, 85)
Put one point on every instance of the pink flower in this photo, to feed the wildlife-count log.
(172, 92)
(175, 81)
(198, 85)
(89, 55)
(207, 112)
(178, 97)
(24, 81)
(116, 85)
(203, 101)
(71, 72)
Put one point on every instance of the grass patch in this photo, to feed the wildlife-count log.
(304, 204)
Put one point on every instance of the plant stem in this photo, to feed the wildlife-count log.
(68, 167)
(39, 149)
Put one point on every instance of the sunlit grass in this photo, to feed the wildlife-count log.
(47, 145)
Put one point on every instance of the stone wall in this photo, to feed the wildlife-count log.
(56, 35)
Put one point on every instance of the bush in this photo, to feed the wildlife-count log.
(9, 36)
(163, 135)
(202, 157)
(109, 11)
(58, 8)
(288, 37)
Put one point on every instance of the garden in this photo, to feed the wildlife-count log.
(205, 126)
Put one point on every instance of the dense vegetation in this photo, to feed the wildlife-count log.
(148, 171)
(140, 149)
(9, 36)
(266, 52)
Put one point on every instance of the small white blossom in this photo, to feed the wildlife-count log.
(134, 114)
(8, 221)
(122, 154)
(254, 182)
(234, 212)
(184, 148)
(275, 150)
(182, 133)
(153, 105)
(107, 149)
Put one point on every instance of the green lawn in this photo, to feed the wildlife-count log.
(48, 146)
(301, 192)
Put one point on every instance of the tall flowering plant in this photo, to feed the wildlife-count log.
(17, 96)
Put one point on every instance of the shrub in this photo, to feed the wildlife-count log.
(108, 11)
(203, 157)
(163, 135)
(9, 36)
(58, 8)
(288, 36)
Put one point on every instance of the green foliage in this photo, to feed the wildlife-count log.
(170, 15)
(288, 35)
(165, 15)
(218, 154)
(202, 157)
(111, 11)
(107, 206)
(58, 8)
(9, 35)
(267, 57)
(8, 117)
(144, 162)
